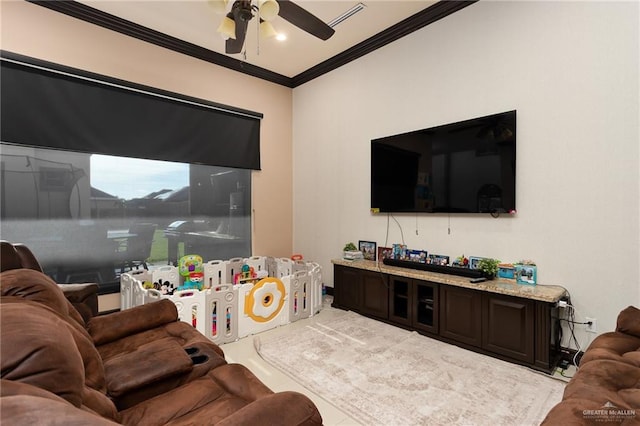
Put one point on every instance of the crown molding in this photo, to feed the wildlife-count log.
(419, 20)
(435, 12)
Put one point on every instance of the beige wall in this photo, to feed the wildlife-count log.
(37, 32)
(571, 71)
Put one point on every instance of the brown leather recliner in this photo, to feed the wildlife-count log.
(141, 366)
(83, 296)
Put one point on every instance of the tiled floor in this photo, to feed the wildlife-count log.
(243, 352)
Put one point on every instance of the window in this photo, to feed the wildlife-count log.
(88, 217)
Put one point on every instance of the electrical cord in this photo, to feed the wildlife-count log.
(571, 321)
(399, 226)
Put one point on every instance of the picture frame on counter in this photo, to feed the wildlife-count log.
(526, 274)
(368, 249)
(384, 253)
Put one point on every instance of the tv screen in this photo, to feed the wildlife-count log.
(463, 167)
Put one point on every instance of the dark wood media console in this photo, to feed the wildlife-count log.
(498, 318)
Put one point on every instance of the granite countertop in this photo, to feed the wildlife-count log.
(545, 293)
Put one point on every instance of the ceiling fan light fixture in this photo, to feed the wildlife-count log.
(218, 6)
(267, 30)
(228, 27)
(268, 9)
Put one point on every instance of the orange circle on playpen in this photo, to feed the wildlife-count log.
(266, 299)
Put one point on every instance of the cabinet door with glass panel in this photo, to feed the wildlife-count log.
(414, 303)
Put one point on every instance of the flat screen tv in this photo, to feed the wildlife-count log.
(463, 167)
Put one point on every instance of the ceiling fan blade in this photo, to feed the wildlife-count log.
(304, 20)
(235, 45)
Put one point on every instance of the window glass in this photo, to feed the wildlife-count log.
(89, 217)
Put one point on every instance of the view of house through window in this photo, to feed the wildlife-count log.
(89, 217)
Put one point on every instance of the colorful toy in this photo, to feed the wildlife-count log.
(164, 287)
(193, 282)
(190, 263)
(190, 267)
(247, 274)
(461, 262)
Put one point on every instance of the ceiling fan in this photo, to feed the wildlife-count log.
(234, 25)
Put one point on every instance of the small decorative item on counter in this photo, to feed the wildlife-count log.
(400, 252)
(526, 272)
(489, 267)
(506, 270)
(461, 262)
(351, 252)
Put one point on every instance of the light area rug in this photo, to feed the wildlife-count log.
(384, 375)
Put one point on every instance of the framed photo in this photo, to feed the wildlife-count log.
(418, 256)
(385, 253)
(473, 262)
(526, 274)
(368, 249)
(436, 259)
(400, 252)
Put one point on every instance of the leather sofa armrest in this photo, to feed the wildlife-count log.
(283, 408)
(150, 363)
(629, 321)
(108, 328)
(83, 297)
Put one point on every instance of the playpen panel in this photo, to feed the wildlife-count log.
(299, 265)
(234, 266)
(215, 273)
(258, 263)
(191, 305)
(299, 306)
(284, 267)
(125, 291)
(137, 293)
(263, 305)
(272, 266)
(316, 288)
(222, 314)
(166, 276)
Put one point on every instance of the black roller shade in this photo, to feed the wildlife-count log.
(56, 107)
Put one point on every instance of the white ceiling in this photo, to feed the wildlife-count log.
(194, 21)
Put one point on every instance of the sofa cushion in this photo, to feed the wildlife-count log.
(38, 350)
(23, 404)
(220, 393)
(150, 363)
